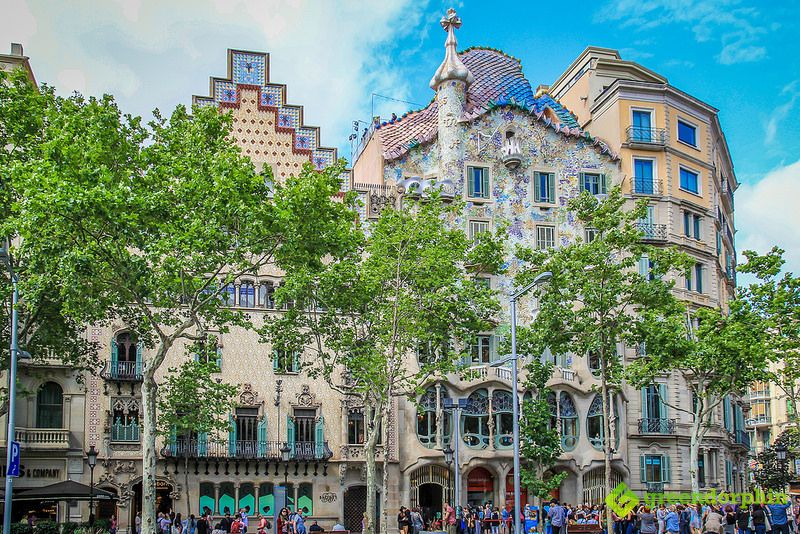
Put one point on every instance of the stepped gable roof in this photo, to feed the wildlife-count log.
(498, 82)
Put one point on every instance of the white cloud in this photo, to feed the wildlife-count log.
(767, 214)
(781, 112)
(150, 53)
(736, 28)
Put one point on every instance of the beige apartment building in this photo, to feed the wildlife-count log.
(515, 156)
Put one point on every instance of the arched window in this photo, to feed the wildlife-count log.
(475, 420)
(305, 498)
(503, 412)
(228, 295)
(569, 421)
(594, 422)
(50, 406)
(207, 497)
(266, 499)
(126, 347)
(247, 295)
(426, 419)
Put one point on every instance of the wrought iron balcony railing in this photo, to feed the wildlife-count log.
(743, 438)
(645, 186)
(300, 451)
(657, 426)
(122, 432)
(646, 136)
(655, 487)
(652, 232)
(123, 371)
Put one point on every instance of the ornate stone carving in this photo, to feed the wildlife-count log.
(248, 397)
(306, 398)
(342, 473)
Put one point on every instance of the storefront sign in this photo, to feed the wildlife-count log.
(36, 472)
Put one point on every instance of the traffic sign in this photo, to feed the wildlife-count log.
(13, 466)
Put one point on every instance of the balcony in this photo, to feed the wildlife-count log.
(657, 426)
(565, 374)
(654, 487)
(485, 371)
(126, 433)
(43, 438)
(645, 186)
(122, 371)
(301, 451)
(742, 438)
(760, 420)
(652, 232)
(643, 137)
(760, 394)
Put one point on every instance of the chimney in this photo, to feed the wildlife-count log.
(16, 50)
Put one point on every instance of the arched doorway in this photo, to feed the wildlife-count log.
(480, 487)
(594, 485)
(430, 485)
(510, 492)
(431, 500)
(163, 499)
(354, 506)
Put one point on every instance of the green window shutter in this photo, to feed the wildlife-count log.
(485, 183)
(642, 471)
(644, 403)
(471, 181)
(202, 444)
(665, 469)
(644, 265)
(319, 438)
(537, 187)
(581, 182)
(232, 436)
(274, 360)
(295, 363)
(139, 358)
(262, 437)
(603, 188)
(290, 434)
(662, 397)
(219, 359)
(551, 187)
(114, 360)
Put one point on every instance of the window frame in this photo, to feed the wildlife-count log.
(683, 168)
(550, 227)
(654, 172)
(691, 125)
(485, 181)
(649, 111)
(478, 222)
(551, 187)
(602, 182)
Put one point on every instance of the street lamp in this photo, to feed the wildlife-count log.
(540, 279)
(91, 459)
(285, 453)
(456, 405)
(6, 260)
(448, 459)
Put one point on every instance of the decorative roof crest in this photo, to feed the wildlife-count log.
(452, 68)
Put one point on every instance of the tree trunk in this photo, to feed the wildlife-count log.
(606, 438)
(694, 451)
(149, 388)
(373, 418)
(385, 483)
(186, 479)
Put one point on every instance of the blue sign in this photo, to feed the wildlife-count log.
(13, 467)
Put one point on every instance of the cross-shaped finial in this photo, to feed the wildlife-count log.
(451, 19)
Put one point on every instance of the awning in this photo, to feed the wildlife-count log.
(69, 490)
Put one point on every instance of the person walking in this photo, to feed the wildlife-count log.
(779, 518)
(759, 517)
(672, 521)
(743, 520)
(557, 515)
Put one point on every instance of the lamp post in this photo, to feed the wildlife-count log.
(456, 405)
(285, 453)
(540, 279)
(91, 459)
(448, 459)
(5, 259)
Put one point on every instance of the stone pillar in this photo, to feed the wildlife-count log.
(236, 497)
(706, 467)
(215, 511)
(256, 492)
(579, 488)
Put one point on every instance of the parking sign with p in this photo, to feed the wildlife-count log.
(13, 465)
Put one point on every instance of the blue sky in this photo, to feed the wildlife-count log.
(742, 57)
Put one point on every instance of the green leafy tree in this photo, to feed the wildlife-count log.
(717, 354)
(404, 286)
(190, 401)
(540, 441)
(597, 298)
(775, 296)
(146, 224)
(772, 474)
(45, 330)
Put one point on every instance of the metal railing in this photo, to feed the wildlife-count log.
(652, 232)
(656, 426)
(123, 371)
(647, 136)
(743, 438)
(247, 449)
(645, 186)
(654, 487)
(43, 438)
(122, 432)
(759, 420)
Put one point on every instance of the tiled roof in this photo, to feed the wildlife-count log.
(498, 82)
